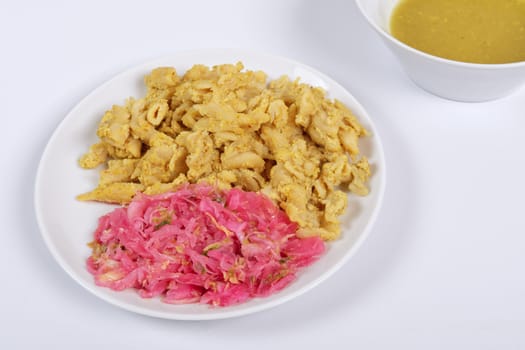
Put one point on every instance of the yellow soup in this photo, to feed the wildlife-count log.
(478, 31)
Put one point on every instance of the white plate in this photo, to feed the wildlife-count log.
(67, 225)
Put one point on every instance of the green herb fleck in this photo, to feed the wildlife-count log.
(162, 223)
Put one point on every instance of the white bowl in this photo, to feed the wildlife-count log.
(468, 82)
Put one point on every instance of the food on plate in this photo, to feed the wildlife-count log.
(232, 128)
(481, 31)
(200, 245)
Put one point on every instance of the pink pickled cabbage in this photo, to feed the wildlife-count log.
(200, 245)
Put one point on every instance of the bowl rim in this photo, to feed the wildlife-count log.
(468, 65)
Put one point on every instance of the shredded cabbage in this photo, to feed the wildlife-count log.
(200, 245)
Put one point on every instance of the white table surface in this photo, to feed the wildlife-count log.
(443, 267)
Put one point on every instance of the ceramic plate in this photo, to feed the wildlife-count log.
(67, 225)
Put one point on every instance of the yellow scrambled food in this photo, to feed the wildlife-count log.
(232, 128)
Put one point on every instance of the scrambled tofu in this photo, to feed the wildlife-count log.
(231, 128)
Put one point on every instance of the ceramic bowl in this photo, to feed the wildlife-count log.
(468, 82)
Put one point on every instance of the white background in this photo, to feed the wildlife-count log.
(443, 267)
